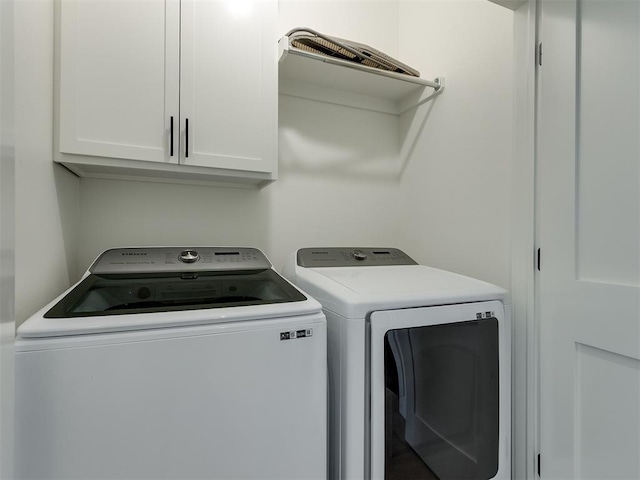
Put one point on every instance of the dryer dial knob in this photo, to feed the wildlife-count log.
(359, 255)
(189, 256)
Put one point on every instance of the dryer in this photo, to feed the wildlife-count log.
(419, 366)
(173, 363)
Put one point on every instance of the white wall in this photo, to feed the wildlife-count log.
(333, 187)
(46, 194)
(7, 245)
(456, 187)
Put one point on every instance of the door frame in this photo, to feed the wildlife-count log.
(524, 246)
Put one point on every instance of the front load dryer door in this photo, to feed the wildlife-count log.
(440, 392)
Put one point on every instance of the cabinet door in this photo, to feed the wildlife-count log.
(119, 74)
(229, 84)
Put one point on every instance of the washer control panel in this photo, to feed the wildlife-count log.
(352, 257)
(179, 259)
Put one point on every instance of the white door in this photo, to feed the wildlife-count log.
(119, 74)
(228, 89)
(589, 234)
(440, 392)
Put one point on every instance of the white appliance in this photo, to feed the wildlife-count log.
(419, 366)
(170, 363)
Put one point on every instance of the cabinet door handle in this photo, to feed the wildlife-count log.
(186, 147)
(171, 146)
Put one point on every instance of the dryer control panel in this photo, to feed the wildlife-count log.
(352, 257)
(182, 259)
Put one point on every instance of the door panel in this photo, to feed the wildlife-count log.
(589, 232)
(608, 206)
(607, 425)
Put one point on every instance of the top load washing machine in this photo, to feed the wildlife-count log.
(173, 363)
(419, 366)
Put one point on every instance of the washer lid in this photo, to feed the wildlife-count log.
(112, 302)
(120, 294)
(154, 288)
(38, 326)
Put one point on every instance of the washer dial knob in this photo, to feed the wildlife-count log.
(189, 256)
(359, 255)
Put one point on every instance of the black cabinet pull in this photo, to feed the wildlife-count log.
(186, 149)
(171, 146)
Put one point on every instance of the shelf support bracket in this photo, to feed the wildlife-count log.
(416, 100)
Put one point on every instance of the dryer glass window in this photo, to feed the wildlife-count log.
(442, 401)
(118, 294)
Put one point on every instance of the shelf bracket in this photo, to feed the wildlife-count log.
(419, 99)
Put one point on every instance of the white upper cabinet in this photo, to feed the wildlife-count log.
(168, 90)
